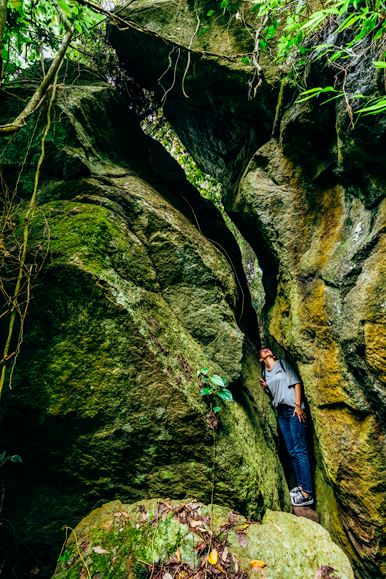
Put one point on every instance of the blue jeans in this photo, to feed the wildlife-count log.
(294, 433)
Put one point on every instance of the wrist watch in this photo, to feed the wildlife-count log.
(298, 405)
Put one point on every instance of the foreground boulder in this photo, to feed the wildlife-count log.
(132, 299)
(153, 538)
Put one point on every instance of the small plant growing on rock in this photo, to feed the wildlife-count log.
(3, 458)
(214, 386)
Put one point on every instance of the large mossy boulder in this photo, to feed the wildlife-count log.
(154, 538)
(131, 300)
(311, 202)
(221, 109)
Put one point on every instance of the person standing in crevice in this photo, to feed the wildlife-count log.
(284, 384)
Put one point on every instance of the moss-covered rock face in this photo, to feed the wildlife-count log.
(131, 301)
(128, 541)
(311, 202)
(212, 105)
(329, 315)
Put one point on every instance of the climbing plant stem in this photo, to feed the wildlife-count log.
(77, 546)
(27, 218)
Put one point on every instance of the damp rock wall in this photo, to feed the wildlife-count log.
(131, 300)
(307, 190)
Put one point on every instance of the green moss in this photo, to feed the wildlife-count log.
(291, 547)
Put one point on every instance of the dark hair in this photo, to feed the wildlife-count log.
(261, 349)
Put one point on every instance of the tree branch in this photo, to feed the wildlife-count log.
(256, 50)
(39, 94)
(3, 19)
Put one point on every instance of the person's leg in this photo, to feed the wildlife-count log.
(284, 425)
(298, 431)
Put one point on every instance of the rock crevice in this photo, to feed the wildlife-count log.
(310, 199)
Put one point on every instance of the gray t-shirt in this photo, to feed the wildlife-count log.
(281, 383)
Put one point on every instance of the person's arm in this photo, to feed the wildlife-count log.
(264, 384)
(298, 401)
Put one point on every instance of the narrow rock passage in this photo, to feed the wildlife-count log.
(309, 197)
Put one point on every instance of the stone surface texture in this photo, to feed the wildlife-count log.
(131, 301)
(311, 202)
(291, 547)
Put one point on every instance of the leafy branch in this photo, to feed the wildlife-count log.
(215, 388)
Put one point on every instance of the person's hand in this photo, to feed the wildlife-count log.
(300, 413)
(264, 384)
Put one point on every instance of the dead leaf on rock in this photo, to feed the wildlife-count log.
(204, 561)
(173, 559)
(195, 523)
(236, 562)
(167, 576)
(100, 551)
(220, 569)
(107, 525)
(257, 565)
(183, 575)
(178, 555)
(213, 557)
(224, 554)
(324, 572)
(200, 546)
(84, 545)
(242, 539)
(211, 420)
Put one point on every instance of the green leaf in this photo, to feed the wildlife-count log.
(374, 108)
(224, 380)
(64, 6)
(204, 370)
(245, 60)
(226, 395)
(216, 379)
(206, 390)
(2, 455)
(85, 29)
(224, 4)
(78, 27)
(205, 379)
(379, 64)
(263, 44)
(15, 458)
(217, 409)
(210, 13)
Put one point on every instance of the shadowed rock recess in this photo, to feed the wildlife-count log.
(131, 301)
(308, 194)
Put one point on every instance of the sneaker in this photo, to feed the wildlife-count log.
(301, 501)
(295, 491)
